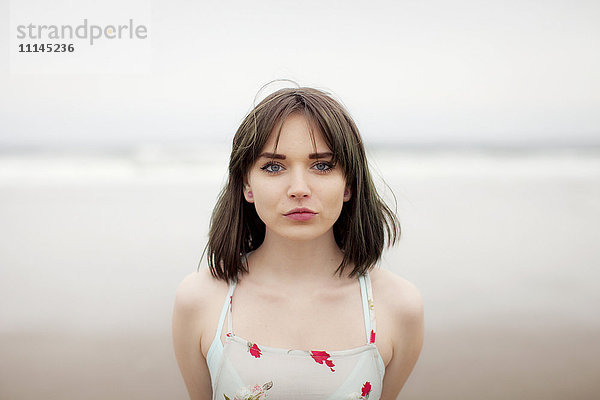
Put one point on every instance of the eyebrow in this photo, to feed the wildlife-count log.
(282, 156)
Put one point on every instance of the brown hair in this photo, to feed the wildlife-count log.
(365, 221)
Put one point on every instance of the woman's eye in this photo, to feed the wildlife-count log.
(323, 166)
(272, 168)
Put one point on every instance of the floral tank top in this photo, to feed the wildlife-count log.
(243, 370)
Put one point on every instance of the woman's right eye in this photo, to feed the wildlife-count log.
(272, 168)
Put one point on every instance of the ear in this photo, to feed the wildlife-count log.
(248, 193)
(347, 194)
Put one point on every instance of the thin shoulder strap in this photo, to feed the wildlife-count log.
(225, 310)
(232, 286)
(368, 306)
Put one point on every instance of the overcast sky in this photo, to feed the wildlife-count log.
(421, 72)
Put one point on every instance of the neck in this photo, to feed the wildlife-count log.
(296, 261)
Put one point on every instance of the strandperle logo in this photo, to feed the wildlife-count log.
(83, 31)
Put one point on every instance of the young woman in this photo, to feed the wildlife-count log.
(288, 306)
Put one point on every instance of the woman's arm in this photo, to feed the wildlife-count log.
(190, 306)
(406, 307)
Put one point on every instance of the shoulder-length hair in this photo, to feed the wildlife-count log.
(365, 222)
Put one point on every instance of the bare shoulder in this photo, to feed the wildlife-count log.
(198, 291)
(395, 288)
(399, 310)
(401, 298)
(195, 308)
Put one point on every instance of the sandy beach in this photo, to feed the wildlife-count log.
(502, 245)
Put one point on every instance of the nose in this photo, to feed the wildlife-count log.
(298, 185)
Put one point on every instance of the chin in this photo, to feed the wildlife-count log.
(301, 234)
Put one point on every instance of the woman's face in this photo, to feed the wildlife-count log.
(295, 178)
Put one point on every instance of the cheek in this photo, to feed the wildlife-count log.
(264, 192)
(265, 200)
(335, 196)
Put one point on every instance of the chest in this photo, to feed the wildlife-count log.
(328, 320)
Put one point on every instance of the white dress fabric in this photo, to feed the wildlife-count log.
(242, 370)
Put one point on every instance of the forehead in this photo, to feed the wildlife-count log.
(297, 133)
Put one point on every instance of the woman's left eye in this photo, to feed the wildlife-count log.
(323, 166)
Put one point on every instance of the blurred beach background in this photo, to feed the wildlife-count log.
(502, 245)
(482, 128)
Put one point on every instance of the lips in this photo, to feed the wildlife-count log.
(302, 210)
(300, 214)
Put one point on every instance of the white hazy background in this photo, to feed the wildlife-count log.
(482, 117)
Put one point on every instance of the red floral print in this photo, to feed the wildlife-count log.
(366, 389)
(372, 336)
(323, 356)
(254, 350)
